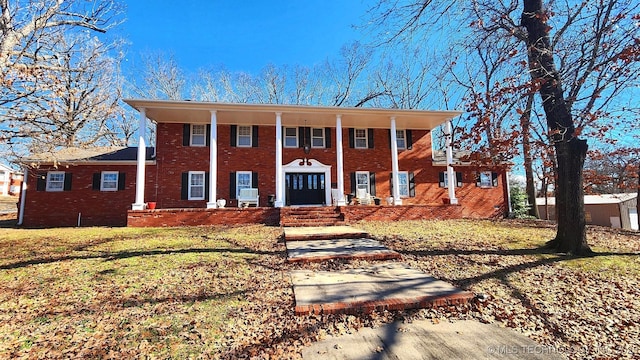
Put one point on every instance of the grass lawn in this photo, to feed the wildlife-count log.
(224, 292)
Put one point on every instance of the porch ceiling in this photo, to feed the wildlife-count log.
(162, 111)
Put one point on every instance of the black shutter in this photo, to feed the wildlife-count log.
(458, 179)
(97, 177)
(206, 188)
(494, 178)
(41, 182)
(208, 135)
(412, 185)
(478, 183)
(254, 180)
(441, 176)
(327, 138)
(353, 182)
(391, 184)
(409, 140)
(184, 191)
(254, 136)
(186, 135)
(370, 138)
(389, 133)
(301, 137)
(352, 138)
(67, 181)
(121, 180)
(234, 135)
(232, 185)
(372, 184)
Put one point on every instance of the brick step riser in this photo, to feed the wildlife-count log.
(302, 224)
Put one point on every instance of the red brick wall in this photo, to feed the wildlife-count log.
(107, 208)
(195, 217)
(174, 159)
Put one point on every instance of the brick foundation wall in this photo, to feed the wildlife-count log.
(195, 217)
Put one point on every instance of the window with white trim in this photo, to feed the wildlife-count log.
(362, 181)
(243, 181)
(55, 181)
(109, 181)
(401, 139)
(196, 185)
(317, 137)
(403, 183)
(244, 136)
(291, 137)
(198, 135)
(360, 138)
(486, 179)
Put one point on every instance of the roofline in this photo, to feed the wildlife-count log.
(92, 162)
(203, 105)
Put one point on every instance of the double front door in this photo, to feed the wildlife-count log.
(305, 188)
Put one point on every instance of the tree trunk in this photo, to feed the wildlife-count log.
(525, 122)
(571, 236)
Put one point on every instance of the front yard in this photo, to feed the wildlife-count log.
(225, 292)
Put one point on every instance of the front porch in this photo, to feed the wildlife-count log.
(283, 216)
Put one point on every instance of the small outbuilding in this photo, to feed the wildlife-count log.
(614, 210)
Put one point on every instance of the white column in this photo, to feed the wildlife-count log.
(506, 179)
(142, 156)
(394, 164)
(451, 174)
(213, 161)
(340, 160)
(23, 193)
(279, 171)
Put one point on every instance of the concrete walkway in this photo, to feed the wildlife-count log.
(426, 340)
(387, 285)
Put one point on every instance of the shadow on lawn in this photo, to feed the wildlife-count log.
(502, 273)
(107, 256)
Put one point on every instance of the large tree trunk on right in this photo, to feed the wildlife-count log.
(525, 122)
(570, 151)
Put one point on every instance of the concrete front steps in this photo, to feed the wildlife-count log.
(311, 216)
(381, 285)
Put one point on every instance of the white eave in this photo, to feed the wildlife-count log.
(165, 111)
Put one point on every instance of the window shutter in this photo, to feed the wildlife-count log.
(458, 179)
(352, 138)
(121, 180)
(206, 187)
(41, 182)
(67, 181)
(232, 185)
(301, 137)
(353, 182)
(327, 138)
(208, 135)
(478, 183)
(409, 140)
(234, 135)
(184, 186)
(254, 180)
(494, 178)
(389, 133)
(412, 185)
(441, 176)
(391, 184)
(372, 183)
(254, 136)
(186, 134)
(97, 177)
(370, 138)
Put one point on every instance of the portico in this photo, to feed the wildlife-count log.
(322, 129)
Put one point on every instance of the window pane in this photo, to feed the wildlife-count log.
(244, 135)
(318, 132)
(290, 132)
(361, 133)
(317, 142)
(198, 134)
(485, 178)
(403, 182)
(244, 130)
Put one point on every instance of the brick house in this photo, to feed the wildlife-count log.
(293, 155)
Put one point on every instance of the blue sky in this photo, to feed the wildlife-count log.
(242, 35)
